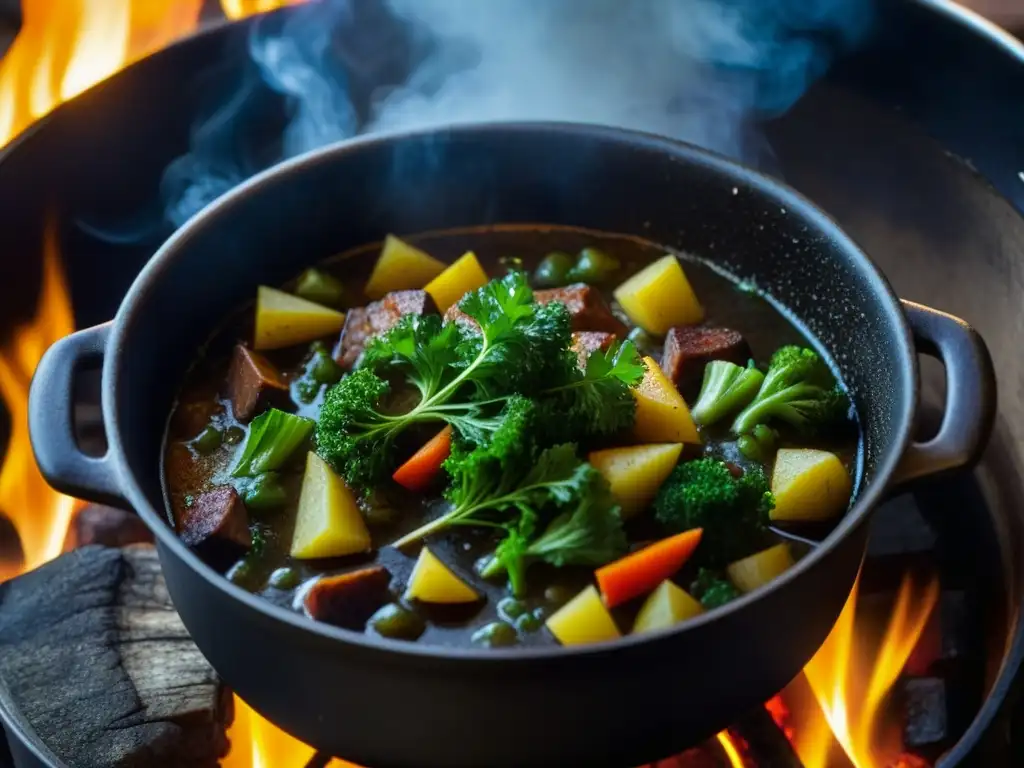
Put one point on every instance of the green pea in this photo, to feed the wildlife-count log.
(208, 441)
(398, 623)
(321, 288)
(558, 594)
(241, 574)
(642, 339)
(266, 491)
(285, 578)
(529, 622)
(511, 263)
(511, 609)
(553, 270)
(495, 635)
(593, 266)
(234, 435)
(321, 366)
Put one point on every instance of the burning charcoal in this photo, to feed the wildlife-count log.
(254, 384)
(587, 308)
(924, 710)
(108, 526)
(215, 519)
(898, 529)
(689, 349)
(363, 323)
(349, 599)
(585, 343)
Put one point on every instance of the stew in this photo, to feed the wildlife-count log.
(508, 436)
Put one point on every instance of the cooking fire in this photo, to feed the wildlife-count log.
(877, 694)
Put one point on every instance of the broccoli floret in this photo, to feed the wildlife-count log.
(800, 390)
(713, 590)
(727, 387)
(732, 510)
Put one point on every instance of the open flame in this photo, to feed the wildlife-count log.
(852, 693)
(40, 514)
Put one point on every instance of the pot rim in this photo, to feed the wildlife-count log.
(135, 301)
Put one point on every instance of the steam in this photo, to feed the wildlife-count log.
(705, 71)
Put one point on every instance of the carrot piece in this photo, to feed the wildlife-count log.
(642, 571)
(420, 470)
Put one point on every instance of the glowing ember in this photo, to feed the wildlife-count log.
(40, 514)
(729, 747)
(851, 693)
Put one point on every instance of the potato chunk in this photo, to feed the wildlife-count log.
(584, 619)
(662, 415)
(752, 572)
(401, 267)
(328, 522)
(461, 277)
(635, 473)
(283, 320)
(659, 297)
(665, 606)
(809, 485)
(434, 582)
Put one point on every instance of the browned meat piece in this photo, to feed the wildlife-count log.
(363, 323)
(216, 518)
(349, 599)
(688, 349)
(254, 384)
(587, 307)
(586, 343)
(456, 315)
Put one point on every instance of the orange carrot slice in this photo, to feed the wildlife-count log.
(642, 571)
(419, 471)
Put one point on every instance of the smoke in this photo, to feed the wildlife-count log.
(705, 71)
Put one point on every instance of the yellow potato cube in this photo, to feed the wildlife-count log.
(584, 619)
(659, 297)
(401, 267)
(752, 572)
(283, 320)
(809, 485)
(328, 522)
(665, 606)
(635, 473)
(434, 582)
(463, 276)
(661, 413)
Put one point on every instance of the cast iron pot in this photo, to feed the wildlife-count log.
(389, 703)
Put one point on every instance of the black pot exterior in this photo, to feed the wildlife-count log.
(386, 703)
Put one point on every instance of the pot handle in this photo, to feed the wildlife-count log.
(51, 421)
(970, 394)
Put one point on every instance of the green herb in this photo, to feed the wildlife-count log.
(462, 376)
(273, 437)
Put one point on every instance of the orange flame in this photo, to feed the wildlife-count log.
(239, 9)
(851, 696)
(731, 751)
(40, 514)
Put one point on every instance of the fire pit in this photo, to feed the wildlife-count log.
(917, 670)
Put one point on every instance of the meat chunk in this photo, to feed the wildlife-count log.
(585, 343)
(350, 599)
(688, 349)
(216, 519)
(587, 308)
(254, 384)
(363, 323)
(455, 315)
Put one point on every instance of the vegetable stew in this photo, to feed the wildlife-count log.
(508, 436)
